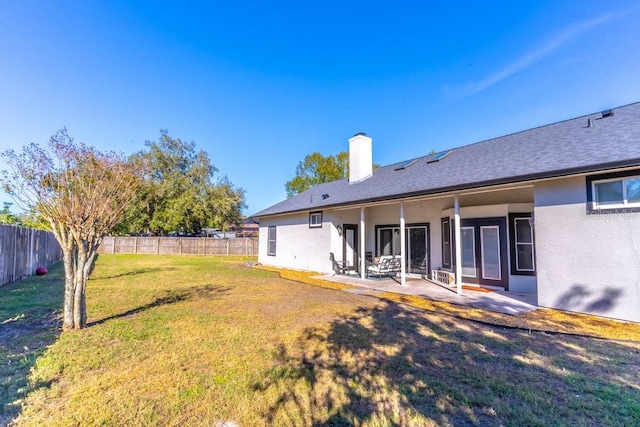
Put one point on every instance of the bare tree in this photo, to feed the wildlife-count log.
(82, 194)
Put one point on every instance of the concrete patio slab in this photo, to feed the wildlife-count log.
(499, 301)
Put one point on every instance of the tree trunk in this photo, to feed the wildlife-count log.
(69, 290)
(79, 312)
(78, 261)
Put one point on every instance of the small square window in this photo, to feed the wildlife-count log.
(608, 193)
(315, 219)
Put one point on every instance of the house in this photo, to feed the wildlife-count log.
(247, 229)
(216, 233)
(553, 211)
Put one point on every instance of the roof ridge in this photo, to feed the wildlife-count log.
(545, 126)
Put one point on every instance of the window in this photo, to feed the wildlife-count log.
(406, 164)
(271, 248)
(438, 156)
(315, 219)
(388, 240)
(522, 244)
(614, 191)
(446, 243)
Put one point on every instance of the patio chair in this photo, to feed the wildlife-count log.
(338, 267)
(387, 265)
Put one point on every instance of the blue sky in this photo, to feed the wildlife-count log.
(259, 85)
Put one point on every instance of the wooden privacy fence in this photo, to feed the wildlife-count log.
(22, 250)
(179, 246)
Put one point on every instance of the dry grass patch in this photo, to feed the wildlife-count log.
(198, 341)
(545, 320)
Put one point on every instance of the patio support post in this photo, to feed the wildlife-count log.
(458, 245)
(363, 266)
(403, 262)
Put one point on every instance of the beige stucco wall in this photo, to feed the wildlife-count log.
(300, 247)
(586, 262)
(297, 246)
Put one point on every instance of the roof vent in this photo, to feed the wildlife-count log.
(589, 123)
(607, 113)
(325, 196)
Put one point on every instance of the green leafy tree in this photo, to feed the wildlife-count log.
(7, 217)
(317, 169)
(82, 194)
(181, 194)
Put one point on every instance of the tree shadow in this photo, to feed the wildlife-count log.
(579, 298)
(133, 273)
(30, 323)
(394, 365)
(170, 297)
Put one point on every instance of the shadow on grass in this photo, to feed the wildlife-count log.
(134, 273)
(30, 321)
(171, 297)
(394, 365)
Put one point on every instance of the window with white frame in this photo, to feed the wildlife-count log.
(315, 219)
(619, 192)
(522, 244)
(446, 242)
(271, 248)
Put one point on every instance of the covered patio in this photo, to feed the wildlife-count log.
(512, 303)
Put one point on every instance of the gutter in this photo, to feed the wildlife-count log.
(604, 167)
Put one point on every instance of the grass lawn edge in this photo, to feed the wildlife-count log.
(545, 320)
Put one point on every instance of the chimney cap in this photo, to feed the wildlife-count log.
(360, 133)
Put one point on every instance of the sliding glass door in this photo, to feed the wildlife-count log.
(416, 245)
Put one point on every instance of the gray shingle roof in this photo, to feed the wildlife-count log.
(558, 149)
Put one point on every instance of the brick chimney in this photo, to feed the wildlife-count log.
(360, 158)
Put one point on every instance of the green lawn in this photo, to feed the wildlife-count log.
(202, 341)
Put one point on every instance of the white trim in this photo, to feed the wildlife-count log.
(516, 243)
(269, 240)
(473, 236)
(482, 252)
(446, 243)
(458, 240)
(315, 219)
(625, 202)
(361, 249)
(403, 239)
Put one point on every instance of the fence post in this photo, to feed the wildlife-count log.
(113, 247)
(180, 244)
(158, 248)
(135, 245)
(15, 251)
(227, 247)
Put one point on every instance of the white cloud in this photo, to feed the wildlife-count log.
(530, 58)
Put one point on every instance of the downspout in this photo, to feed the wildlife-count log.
(403, 261)
(458, 245)
(363, 267)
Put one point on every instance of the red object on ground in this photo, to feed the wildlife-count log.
(41, 271)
